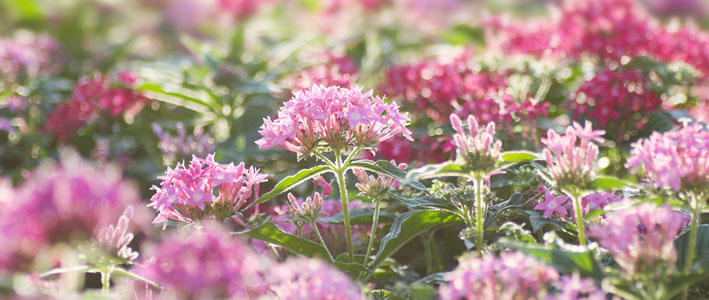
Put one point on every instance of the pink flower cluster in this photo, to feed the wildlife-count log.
(29, 56)
(376, 186)
(92, 96)
(303, 278)
(181, 146)
(571, 157)
(441, 88)
(677, 159)
(562, 208)
(207, 263)
(513, 275)
(116, 238)
(334, 71)
(615, 96)
(337, 117)
(603, 29)
(186, 192)
(640, 237)
(478, 149)
(695, 8)
(428, 149)
(576, 288)
(62, 201)
(210, 263)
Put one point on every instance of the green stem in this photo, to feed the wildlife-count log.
(326, 160)
(479, 211)
(695, 207)
(340, 171)
(375, 221)
(578, 214)
(322, 241)
(105, 281)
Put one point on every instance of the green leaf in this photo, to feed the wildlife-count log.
(607, 183)
(463, 34)
(353, 268)
(518, 156)
(701, 251)
(494, 211)
(387, 168)
(564, 261)
(423, 202)
(409, 225)
(359, 216)
(291, 181)
(176, 96)
(444, 169)
(269, 232)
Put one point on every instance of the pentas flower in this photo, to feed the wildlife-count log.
(640, 238)
(561, 207)
(308, 278)
(186, 193)
(110, 244)
(376, 187)
(309, 209)
(333, 71)
(182, 146)
(477, 147)
(576, 288)
(511, 276)
(613, 98)
(28, 55)
(334, 117)
(571, 157)
(91, 96)
(666, 8)
(205, 263)
(429, 149)
(677, 159)
(63, 201)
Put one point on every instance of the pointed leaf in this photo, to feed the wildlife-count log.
(608, 183)
(359, 216)
(518, 156)
(701, 251)
(291, 181)
(269, 232)
(564, 261)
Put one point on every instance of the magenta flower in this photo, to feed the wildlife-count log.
(553, 205)
(307, 278)
(28, 55)
(63, 201)
(511, 276)
(677, 159)
(333, 71)
(640, 237)
(333, 116)
(561, 207)
(186, 192)
(206, 263)
(571, 157)
(477, 147)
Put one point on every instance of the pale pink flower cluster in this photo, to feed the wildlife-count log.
(180, 146)
(28, 55)
(186, 191)
(207, 263)
(677, 159)
(334, 116)
(66, 201)
(334, 70)
(310, 207)
(561, 207)
(477, 147)
(576, 288)
(571, 157)
(304, 278)
(116, 238)
(640, 237)
(513, 275)
(375, 186)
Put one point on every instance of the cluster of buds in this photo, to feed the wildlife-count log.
(571, 157)
(308, 210)
(376, 187)
(111, 244)
(478, 149)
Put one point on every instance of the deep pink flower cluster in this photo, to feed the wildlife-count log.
(640, 237)
(477, 147)
(571, 157)
(181, 146)
(603, 29)
(28, 55)
(561, 207)
(615, 95)
(333, 71)
(694, 8)
(337, 117)
(239, 9)
(428, 149)
(511, 276)
(62, 201)
(92, 96)
(186, 193)
(676, 159)
(304, 278)
(207, 263)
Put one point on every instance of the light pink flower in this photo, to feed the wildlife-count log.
(571, 157)
(477, 147)
(677, 159)
(308, 278)
(376, 186)
(639, 237)
(337, 117)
